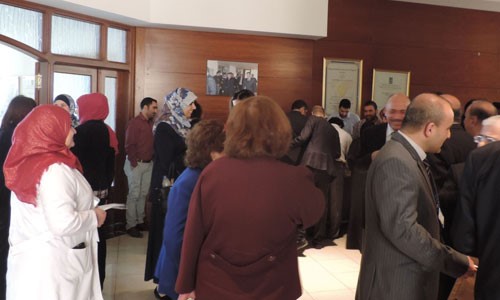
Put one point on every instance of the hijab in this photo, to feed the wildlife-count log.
(172, 111)
(72, 107)
(95, 107)
(37, 143)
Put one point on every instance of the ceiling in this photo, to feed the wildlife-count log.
(488, 5)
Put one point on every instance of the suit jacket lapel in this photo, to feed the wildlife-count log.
(400, 139)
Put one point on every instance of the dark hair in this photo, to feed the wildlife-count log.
(205, 137)
(147, 101)
(480, 113)
(196, 114)
(257, 127)
(345, 103)
(337, 120)
(371, 103)
(298, 104)
(242, 94)
(18, 108)
(496, 104)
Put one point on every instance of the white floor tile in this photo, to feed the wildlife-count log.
(328, 273)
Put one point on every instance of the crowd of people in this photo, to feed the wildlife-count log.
(232, 205)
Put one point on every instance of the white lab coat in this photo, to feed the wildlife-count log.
(42, 263)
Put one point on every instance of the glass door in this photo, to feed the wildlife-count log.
(74, 81)
(17, 75)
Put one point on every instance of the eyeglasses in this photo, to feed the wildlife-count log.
(483, 138)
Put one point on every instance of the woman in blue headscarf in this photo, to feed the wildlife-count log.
(170, 130)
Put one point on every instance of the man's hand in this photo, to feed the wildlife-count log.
(472, 268)
(374, 154)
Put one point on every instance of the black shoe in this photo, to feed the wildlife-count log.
(317, 244)
(302, 244)
(134, 232)
(141, 227)
(158, 296)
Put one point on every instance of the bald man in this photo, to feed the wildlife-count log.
(375, 137)
(322, 150)
(477, 221)
(402, 253)
(478, 111)
(447, 166)
(372, 139)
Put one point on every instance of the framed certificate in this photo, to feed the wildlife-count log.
(387, 82)
(342, 78)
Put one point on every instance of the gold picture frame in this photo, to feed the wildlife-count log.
(388, 82)
(342, 78)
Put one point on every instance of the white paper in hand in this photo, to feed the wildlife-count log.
(113, 205)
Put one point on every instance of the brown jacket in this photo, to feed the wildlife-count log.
(240, 236)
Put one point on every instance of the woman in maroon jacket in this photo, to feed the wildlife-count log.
(240, 236)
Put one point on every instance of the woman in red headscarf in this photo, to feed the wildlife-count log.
(96, 146)
(54, 221)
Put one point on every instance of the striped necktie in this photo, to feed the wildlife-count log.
(435, 193)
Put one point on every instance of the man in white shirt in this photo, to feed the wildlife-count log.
(346, 116)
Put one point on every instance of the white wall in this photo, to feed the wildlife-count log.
(296, 18)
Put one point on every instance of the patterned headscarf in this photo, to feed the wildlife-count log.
(172, 111)
(72, 107)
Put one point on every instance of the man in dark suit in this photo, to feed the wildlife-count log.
(476, 226)
(402, 253)
(452, 156)
(475, 113)
(321, 152)
(372, 139)
(298, 118)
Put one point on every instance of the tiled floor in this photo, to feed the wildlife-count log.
(329, 273)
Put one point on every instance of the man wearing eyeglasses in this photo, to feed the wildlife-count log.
(476, 227)
(490, 132)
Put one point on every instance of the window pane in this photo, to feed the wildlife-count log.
(117, 45)
(17, 76)
(21, 24)
(74, 85)
(110, 92)
(75, 38)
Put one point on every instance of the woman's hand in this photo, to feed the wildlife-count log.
(101, 216)
(188, 296)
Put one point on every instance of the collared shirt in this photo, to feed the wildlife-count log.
(388, 133)
(421, 153)
(345, 142)
(139, 140)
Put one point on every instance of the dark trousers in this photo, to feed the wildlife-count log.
(335, 202)
(101, 250)
(319, 231)
(101, 256)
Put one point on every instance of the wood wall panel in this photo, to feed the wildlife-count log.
(172, 58)
(446, 49)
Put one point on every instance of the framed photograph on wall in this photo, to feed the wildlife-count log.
(388, 82)
(342, 78)
(227, 77)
